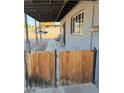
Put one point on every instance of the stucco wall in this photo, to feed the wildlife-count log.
(84, 41)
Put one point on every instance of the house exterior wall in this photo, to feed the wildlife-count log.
(79, 41)
(91, 18)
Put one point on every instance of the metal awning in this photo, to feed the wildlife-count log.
(49, 10)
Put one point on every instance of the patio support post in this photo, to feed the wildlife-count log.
(26, 25)
(27, 37)
(27, 49)
(40, 31)
(36, 31)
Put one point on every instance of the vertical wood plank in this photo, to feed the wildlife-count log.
(76, 66)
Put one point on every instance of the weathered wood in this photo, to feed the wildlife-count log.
(76, 66)
(41, 66)
(28, 65)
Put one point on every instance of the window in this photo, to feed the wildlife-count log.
(77, 23)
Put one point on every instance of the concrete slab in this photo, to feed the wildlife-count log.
(84, 88)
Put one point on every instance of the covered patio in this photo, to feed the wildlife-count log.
(53, 11)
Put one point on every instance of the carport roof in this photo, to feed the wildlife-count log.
(49, 10)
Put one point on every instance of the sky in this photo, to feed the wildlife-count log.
(30, 20)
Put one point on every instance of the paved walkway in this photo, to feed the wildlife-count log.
(85, 88)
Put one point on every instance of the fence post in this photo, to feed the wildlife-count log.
(55, 68)
(94, 64)
(25, 68)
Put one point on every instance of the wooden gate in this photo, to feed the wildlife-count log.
(41, 68)
(76, 67)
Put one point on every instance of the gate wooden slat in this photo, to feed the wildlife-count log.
(63, 65)
(28, 65)
(89, 65)
(76, 66)
(41, 65)
(72, 66)
(83, 66)
(32, 65)
(52, 65)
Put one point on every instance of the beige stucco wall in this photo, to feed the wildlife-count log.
(53, 32)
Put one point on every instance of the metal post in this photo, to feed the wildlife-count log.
(28, 47)
(40, 31)
(55, 68)
(36, 30)
(94, 64)
(27, 37)
(25, 68)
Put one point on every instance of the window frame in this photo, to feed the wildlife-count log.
(80, 19)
